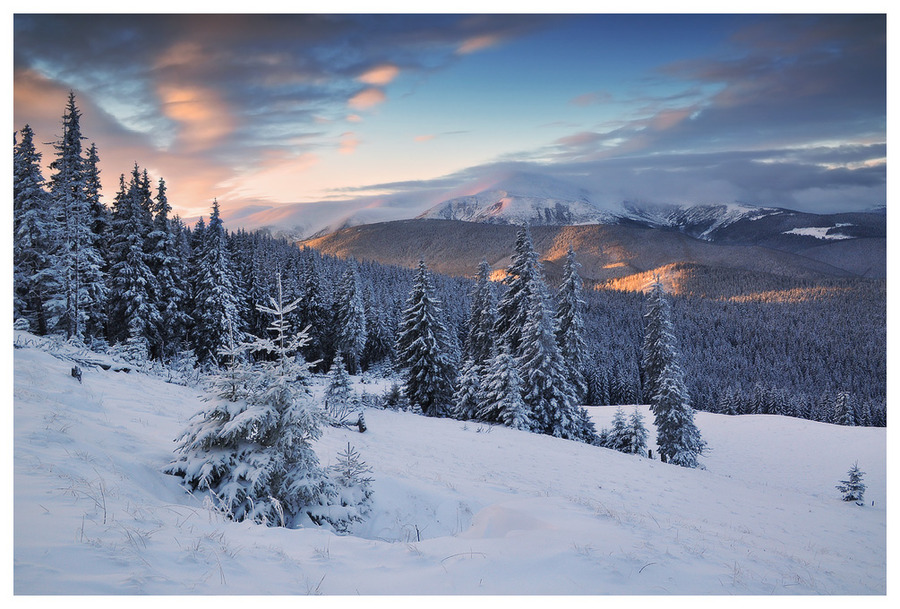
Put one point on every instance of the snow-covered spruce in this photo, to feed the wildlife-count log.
(424, 350)
(350, 318)
(252, 450)
(853, 488)
(570, 325)
(500, 395)
(340, 401)
(677, 436)
(481, 337)
(468, 387)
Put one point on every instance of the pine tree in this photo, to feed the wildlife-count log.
(481, 340)
(466, 398)
(96, 293)
(424, 349)
(350, 318)
(853, 488)
(216, 304)
(570, 325)
(843, 410)
(677, 437)
(500, 395)
(33, 265)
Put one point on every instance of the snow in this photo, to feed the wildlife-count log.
(459, 507)
(819, 232)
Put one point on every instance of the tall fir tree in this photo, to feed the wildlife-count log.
(78, 263)
(33, 225)
(466, 397)
(512, 310)
(350, 318)
(216, 304)
(677, 436)
(424, 349)
(481, 339)
(96, 292)
(546, 390)
(134, 317)
(570, 325)
(168, 268)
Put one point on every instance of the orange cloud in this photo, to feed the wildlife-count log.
(204, 118)
(367, 98)
(424, 138)
(477, 43)
(354, 118)
(380, 75)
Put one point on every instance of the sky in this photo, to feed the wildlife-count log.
(272, 109)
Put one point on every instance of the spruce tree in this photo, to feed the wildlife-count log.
(134, 317)
(512, 310)
(96, 293)
(637, 435)
(500, 395)
(481, 339)
(424, 349)
(33, 266)
(570, 325)
(253, 449)
(545, 385)
(216, 304)
(350, 318)
(853, 488)
(617, 437)
(466, 398)
(677, 436)
(339, 399)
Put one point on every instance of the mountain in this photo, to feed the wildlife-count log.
(605, 251)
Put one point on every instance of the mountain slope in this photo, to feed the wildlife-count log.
(458, 508)
(604, 251)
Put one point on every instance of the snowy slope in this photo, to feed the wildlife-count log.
(460, 508)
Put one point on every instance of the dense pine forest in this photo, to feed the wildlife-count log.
(133, 278)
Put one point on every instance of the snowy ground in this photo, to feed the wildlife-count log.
(460, 508)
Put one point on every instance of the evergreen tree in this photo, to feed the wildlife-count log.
(33, 265)
(350, 318)
(424, 349)
(512, 310)
(500, 395)
(134, 317)
(78, 263)
(466, 398)
(216, 303)
(637, 435)
(853, 488)
(481, 340)
(617, 438)
(94, 298)
(843, 410)
(677, 437)
(168, 268)
(339, 399)
(545, 385)
(253, 450)
(570, 325)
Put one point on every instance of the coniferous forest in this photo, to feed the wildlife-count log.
(134, 278)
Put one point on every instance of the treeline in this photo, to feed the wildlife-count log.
(136, 278)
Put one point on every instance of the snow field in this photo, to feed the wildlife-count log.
(459, 507)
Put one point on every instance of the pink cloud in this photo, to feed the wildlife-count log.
(367, 98)
(380, 75)
(477, 43)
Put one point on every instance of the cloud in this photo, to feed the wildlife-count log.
(424, 138)
(367, 98)
(349, 143)
(380, 75)
(478, 43)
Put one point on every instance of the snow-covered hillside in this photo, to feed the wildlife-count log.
(460, 508)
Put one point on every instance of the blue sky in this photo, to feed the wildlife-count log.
(785, 110)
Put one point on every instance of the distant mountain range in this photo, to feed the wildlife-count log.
(613, 240)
